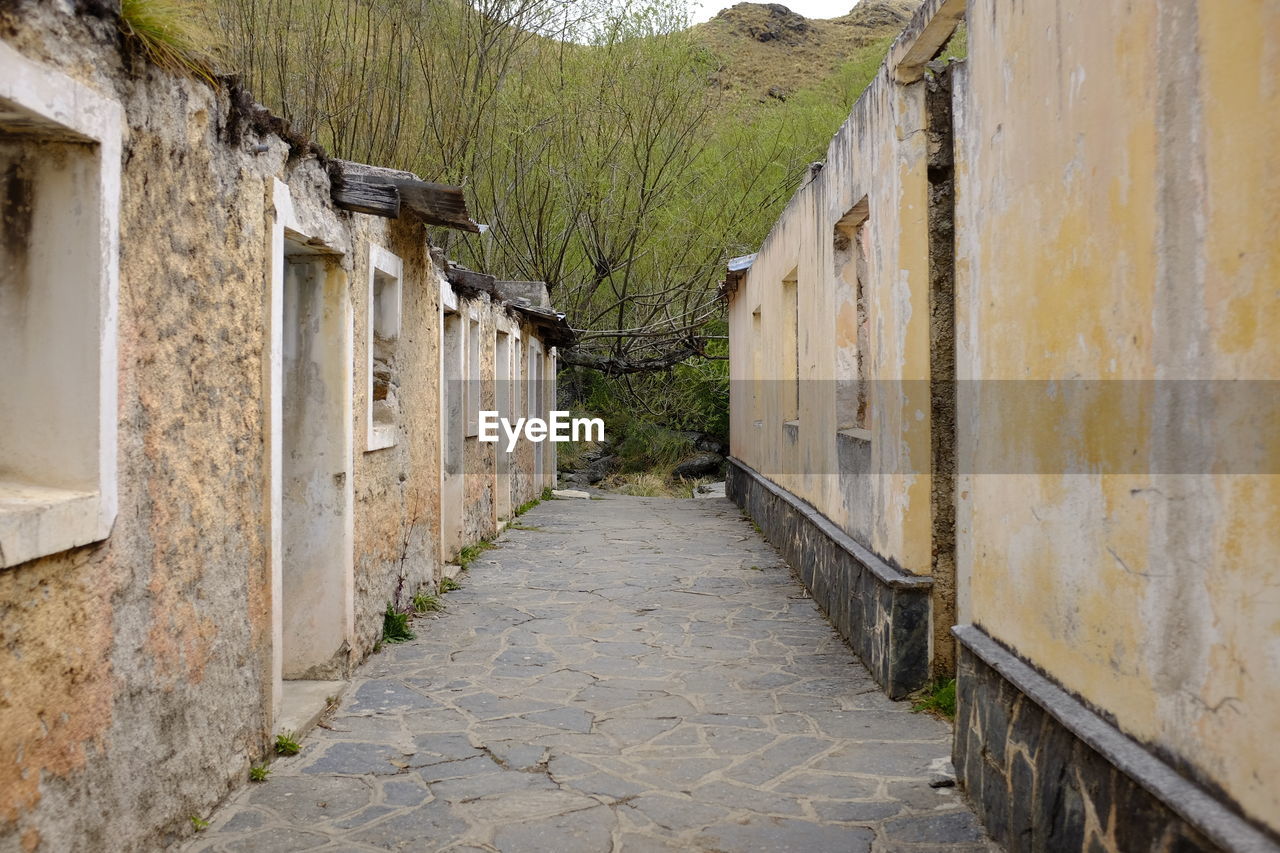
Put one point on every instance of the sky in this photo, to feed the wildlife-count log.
(809, 8)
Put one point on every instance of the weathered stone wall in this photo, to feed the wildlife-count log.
(397, 530)
(479, 460)
(877, 155)
(138, 673)
(1038, 786)
(524, 486)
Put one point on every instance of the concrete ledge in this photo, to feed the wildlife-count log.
(926, 34)
(36, 521)
(1045, 772)
(883, 613)
(304, 703)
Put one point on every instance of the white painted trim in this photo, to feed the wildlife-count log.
(451, 491)
(504, 391)
(349, 481)
(379, 437)
(472, 373)
(448, 299)
(448, 304)
(537, 367)
(32, 525)
(390, 264)
(110, 158)
(550, 383)
(273, 396)
(53, 97)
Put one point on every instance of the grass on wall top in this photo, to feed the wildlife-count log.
(172, 34)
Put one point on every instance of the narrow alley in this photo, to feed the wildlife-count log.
(630, 674)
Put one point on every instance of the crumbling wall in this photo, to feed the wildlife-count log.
(878, 159)
(397, 530)
(137, 671)
(942, 367)
(524, 487)
(478, 461)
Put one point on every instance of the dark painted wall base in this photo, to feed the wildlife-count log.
(883, 613)
(1046, 773)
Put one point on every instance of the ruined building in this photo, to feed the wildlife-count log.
(237, 419)
(1003, 390)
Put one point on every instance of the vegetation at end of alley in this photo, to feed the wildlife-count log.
(610, 147)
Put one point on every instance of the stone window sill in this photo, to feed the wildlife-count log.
(382, 437)
(856, 434)
(36, 521)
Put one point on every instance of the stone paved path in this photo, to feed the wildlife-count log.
(632, 674)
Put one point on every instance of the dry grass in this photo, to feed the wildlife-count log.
(653, 484)
(172, 34)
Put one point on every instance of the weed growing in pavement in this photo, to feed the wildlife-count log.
(286, 745)
(424, 602)
(939, 699)
(471, 553)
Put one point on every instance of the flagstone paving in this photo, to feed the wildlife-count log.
(631, 674)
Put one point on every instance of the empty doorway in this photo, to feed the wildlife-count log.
(536, 402)
(502, 403)
(452, 428)
(315, 591)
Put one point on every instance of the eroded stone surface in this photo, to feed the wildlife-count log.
(629, 673)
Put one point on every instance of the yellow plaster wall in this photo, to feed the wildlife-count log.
(880, 154)
(1118, 214)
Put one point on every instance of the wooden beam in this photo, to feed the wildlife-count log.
(361, 197)
(435, 204)
(469, 282)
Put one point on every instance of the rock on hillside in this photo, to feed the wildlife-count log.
(766, 22)
(765, 48)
